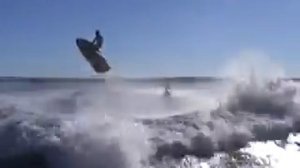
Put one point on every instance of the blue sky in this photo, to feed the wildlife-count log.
(145, 37)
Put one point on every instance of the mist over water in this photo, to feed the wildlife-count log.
(117, 124)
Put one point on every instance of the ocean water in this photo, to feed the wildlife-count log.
(119, 124)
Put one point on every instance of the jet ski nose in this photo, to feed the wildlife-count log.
(77, 41)
(81, 43)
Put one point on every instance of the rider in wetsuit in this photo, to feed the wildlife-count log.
(98, 40)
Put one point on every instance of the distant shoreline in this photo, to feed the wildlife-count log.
(102, 79)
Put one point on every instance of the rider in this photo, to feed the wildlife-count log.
(98, 40)
(167, 89)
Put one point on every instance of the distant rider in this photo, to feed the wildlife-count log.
(98, 40)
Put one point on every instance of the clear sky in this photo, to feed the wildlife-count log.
(145, 37)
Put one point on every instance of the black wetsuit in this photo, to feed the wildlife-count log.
(98, 41)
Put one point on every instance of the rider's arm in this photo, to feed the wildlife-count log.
(94, 40)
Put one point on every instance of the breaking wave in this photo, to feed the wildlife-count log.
(119, 126)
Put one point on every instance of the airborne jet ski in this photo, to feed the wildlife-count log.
(91, 54)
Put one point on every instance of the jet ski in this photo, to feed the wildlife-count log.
(92, 55)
